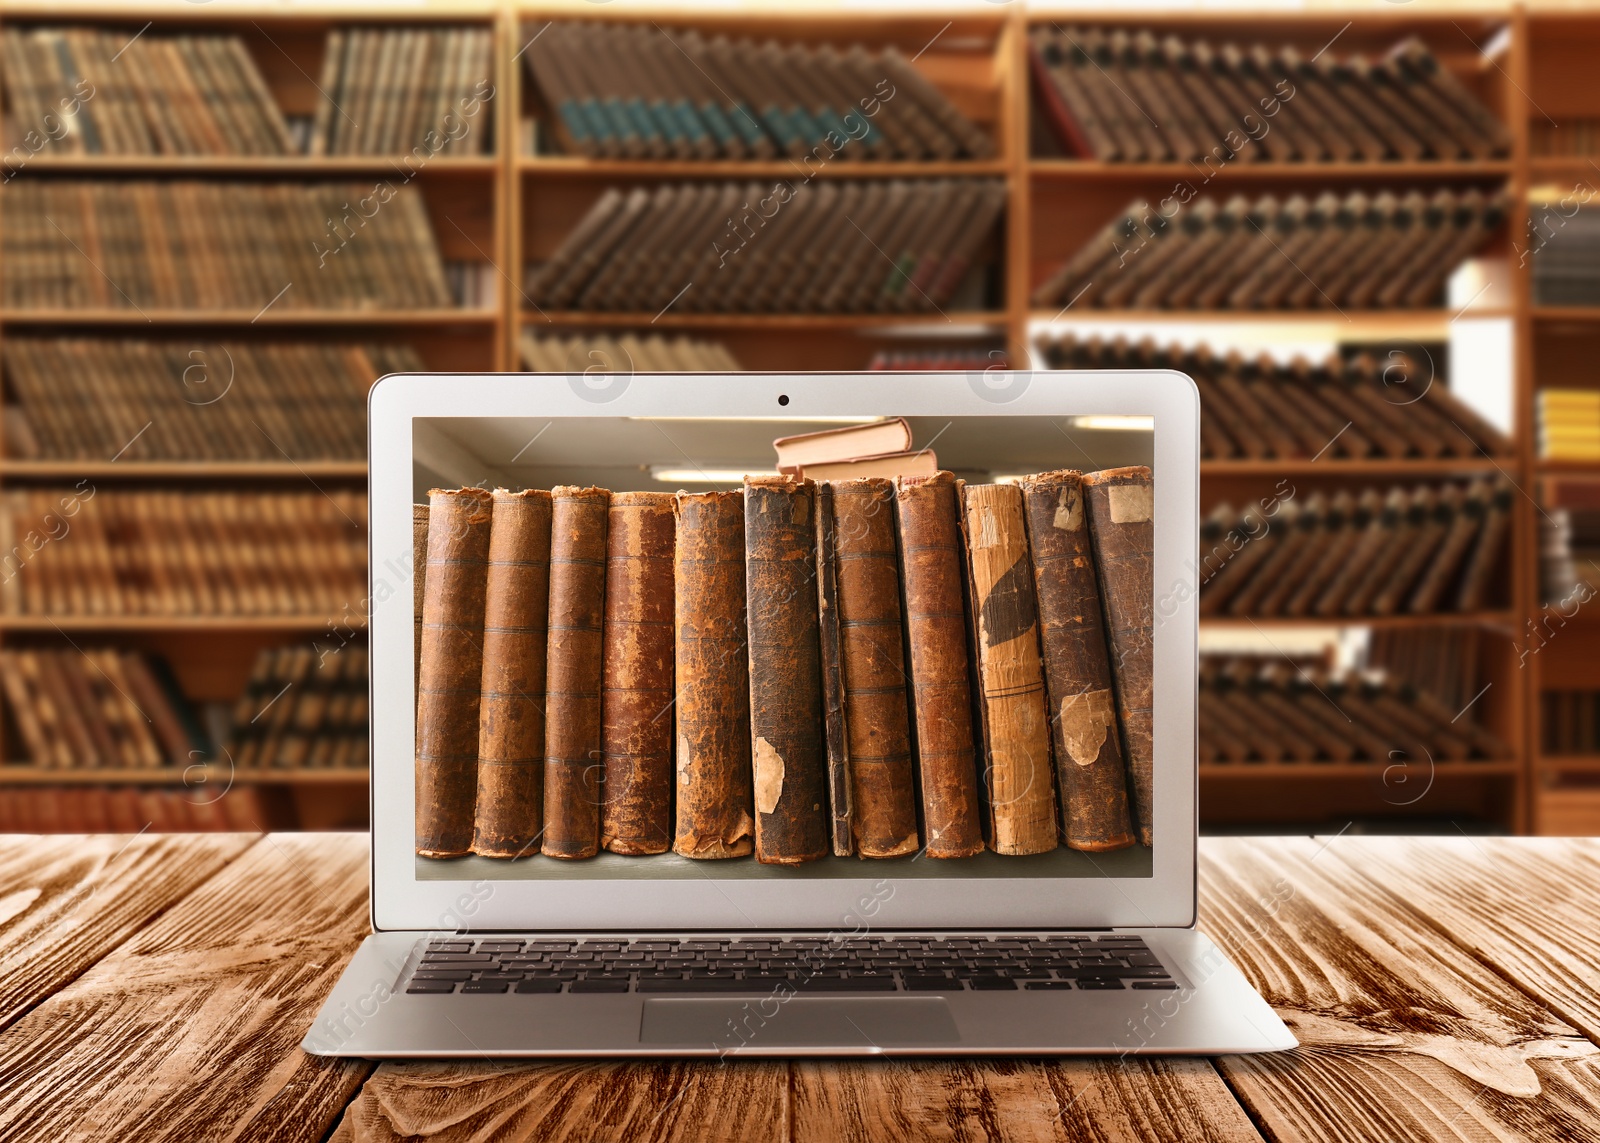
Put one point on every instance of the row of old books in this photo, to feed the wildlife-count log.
(198, 246)
(89, 551)
(624, 353)
(1569, 555)
(1447, 662)
(1572, 137)
(871, 667)
(1418, 551)
(1568, 423)
(1380, 250)
(91, 398)
(940, 360)
(1250, 712)
(1569, 722)
(1357, 407)
(1566, 257)
(641, 91)
(837, 246)
(1126, 96)
(423, 90)
(133, 809)
(304, 708)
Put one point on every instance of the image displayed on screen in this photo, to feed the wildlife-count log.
(716, 647)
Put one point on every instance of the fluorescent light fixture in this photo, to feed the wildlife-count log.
(836, 420)
(1114, 423)
(667, 475)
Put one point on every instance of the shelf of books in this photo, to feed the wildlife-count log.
(217, 228)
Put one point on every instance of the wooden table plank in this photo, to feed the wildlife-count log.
(1404, 1035)
(1527, 905)
(190, 1028)
(67, 900)
(655, 1101)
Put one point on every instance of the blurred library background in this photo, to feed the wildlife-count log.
(1361, 227)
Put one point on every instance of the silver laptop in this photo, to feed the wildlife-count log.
(1058, 950)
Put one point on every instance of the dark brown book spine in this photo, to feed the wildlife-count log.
(511, 713)
(419, 576)
(1022, 801)
(636, 711)
(786, 719)
(1122, 527)
(877, 721)
(936, 634)
(1090, 771)
(451, 670)
(573, 768)
(835, 737)
(715, 795)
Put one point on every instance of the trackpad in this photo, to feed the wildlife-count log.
(800, 1021)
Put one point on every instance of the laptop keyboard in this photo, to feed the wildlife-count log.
(1088, 963)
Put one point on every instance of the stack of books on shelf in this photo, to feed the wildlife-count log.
(1569, 424)
(1379, 250)
(1421, 550)
(1446, 662)
(387, 91)
(1252, 712)
(305, 708)
(1572, 137)
(641, 91)
(1127, 96)
(1569, 722)
(1569, 544)
(202, 808)
(98, 708)
(199, 246)
(889, 246)
(764, 684)
(89, 398)
(1566, 259)
(93, 91)
(625, 353)
(88, 551)
(1359, 407)
(967, 360)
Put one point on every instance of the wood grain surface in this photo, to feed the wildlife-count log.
(1441, 989)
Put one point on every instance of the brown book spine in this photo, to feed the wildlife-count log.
(835, 736)
(786, 719)
(511, 711)
(1122, 527)
(715, 795)
(419, 574)
(936, 634)
(1022, 800)
(877, 721)
(573, 769)
(636, 714)
(1090, 771)
(451, 670)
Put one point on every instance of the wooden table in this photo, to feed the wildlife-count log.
(156, 987)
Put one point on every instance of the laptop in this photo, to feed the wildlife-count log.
(1047, 945)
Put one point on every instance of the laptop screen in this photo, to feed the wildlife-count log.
(702, 647)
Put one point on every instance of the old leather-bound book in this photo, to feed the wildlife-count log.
(714, 791)
(1122, 527)
(451, 670)
(419, 569)
(786, 719)
(511, 712)
(936, 635)
(636, 706)
(1022, 800)
(883, 792)
(1090, 772)
(835, 739)
(573, 769)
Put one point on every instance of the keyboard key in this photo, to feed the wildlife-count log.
(702, 946)
(502, 977)
(540, 986)
(428, 986)
(457, 974)
(499, 946)
(548, 946)
(450, 946)
(1143, 959)
(884, 983)
(704, 984)
(456, 958)
(992, 983)
(920, 983)
(1155, 984)
(1099, 985)
(654, 946)
(554, 974)
(484, 986)
(1048, 985)
(593, 985)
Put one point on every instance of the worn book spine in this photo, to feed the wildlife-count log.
(636, 707)
(1022, 800)
(451, 670)
(786, 718)
(1122, 528)
(835, 736)
(419, 577)
(877, 720)
(573, 768)
(936, 635)
(1090, 771)
(511, 704)
(714, 784)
